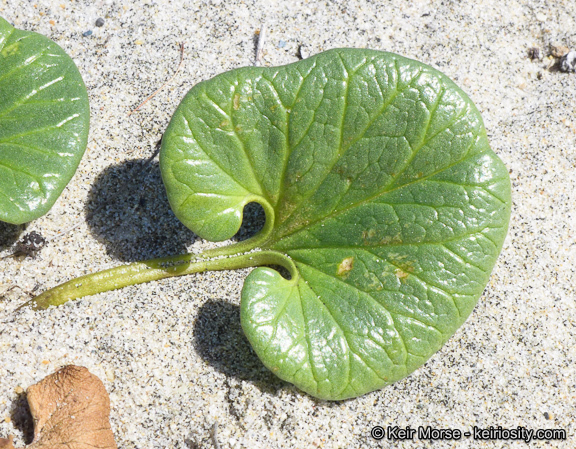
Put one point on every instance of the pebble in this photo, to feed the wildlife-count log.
(303, 51)
(558, 50)
(99, 22)
(87, 33)
(534, 53)
(30, 244)
(568, 62)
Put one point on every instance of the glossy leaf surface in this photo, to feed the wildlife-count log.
(381, 194)
(44, 119)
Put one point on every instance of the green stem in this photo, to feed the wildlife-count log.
(151, 270)
(239, 255)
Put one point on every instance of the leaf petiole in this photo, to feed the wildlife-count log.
(226, 258)
(243, 254)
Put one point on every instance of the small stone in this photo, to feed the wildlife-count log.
(30, 244)
(533, 53)
(87, 33)
(558, 50)
(303, 51)
(99, 22)
(541, 17)
(281, 44)
(568, 62)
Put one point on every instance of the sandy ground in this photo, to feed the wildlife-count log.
(172, 354)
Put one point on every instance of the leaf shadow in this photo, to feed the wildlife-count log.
(253, 218)
(128, 211)
(9, 234)
(21, 417)
(220, 341)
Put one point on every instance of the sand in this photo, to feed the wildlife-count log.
(171, 353)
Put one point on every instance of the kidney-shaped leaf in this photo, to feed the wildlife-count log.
(44, 117)
(380, 190)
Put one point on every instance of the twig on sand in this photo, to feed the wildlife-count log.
(65, 231)
(163, 85)
(214, 436)
(260, 46)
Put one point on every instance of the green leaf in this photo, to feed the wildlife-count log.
(44, 119)
(381, 194)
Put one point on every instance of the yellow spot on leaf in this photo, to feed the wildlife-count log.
(368, 235)
(401, 274)
(345, 266)
(11, 49)
(236, 102)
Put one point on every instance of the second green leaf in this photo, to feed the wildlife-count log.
(44, 119)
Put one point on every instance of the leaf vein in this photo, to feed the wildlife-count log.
(214, 160)
(26, 63)
(372, 197)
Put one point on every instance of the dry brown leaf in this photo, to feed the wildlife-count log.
(71, 409)
(6, 443)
